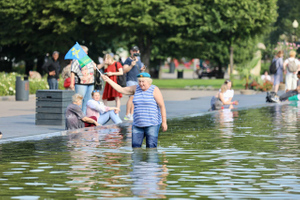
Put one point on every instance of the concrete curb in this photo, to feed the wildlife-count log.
(13, 98)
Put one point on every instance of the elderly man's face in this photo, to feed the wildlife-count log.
(55, 56)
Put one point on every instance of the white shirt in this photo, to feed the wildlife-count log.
(264, 77)
(228, 94)
(287, 61)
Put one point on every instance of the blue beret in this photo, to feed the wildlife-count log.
(143, 74)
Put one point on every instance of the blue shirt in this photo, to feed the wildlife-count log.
(146, 110)
(135, 70)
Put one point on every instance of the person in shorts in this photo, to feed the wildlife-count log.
(132, 67)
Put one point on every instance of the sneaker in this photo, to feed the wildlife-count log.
(127, 117)
(131, 117)
(275, 99)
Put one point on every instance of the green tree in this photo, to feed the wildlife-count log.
(160, 28)
(225, 25)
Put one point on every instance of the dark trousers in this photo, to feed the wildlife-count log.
(288, 94)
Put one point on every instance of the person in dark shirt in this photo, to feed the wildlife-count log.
(74, 116)
(132, 67)
(52, 68)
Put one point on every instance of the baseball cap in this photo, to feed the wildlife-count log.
(143, 74)
(135, 48)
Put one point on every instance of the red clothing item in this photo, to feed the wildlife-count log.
(88, 124)
(109, 93)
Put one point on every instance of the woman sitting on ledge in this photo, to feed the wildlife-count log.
(103, 113)
(220, 101)
(74, 116)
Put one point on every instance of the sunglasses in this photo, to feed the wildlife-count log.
(227, 81)
(96, 91)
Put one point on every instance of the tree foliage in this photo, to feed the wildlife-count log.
(161, 28)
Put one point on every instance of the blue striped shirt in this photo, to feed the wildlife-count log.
(146, 110)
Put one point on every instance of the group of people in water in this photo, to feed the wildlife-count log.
(149, 110)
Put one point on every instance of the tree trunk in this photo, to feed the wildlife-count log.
(231, 60)
(39, 65)
(145, 49)
(29, 65)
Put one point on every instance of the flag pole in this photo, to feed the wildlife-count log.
(97, 68)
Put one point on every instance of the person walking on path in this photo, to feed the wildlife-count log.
(278, 76)
(291, 66)
(83, 78)
(112, 70)
(52, 68)
(132, 67)
(149, 110)
(102, 112)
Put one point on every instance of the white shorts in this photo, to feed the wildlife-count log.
(290, 81)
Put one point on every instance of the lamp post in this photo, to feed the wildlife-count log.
(295, 26)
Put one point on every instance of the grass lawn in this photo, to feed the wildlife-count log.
(182, 83)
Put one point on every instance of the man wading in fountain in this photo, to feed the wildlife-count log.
(149, 110)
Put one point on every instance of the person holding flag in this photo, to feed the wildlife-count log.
(82, 73)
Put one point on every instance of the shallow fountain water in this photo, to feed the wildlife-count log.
(242, 154)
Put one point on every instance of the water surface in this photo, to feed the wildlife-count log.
(240, 154)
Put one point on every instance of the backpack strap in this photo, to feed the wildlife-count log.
(116, 65)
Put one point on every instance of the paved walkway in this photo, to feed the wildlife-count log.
(17, 118)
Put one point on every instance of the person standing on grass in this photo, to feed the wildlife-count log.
(149, 110)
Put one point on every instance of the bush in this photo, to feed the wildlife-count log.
(8, 84)
(266, 86)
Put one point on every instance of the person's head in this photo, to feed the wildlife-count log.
(85, 49)
(133, 50)
(228, 83)
(55, 55)
(96, 95)
(266, 73)
(108, 59)
(144, 80)
(77, 99)
(298, 74)
(279, 54)
(292, 54)
(224, 88)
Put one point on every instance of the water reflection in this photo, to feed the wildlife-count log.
(244, 154)
(97, 163)
(148, 175)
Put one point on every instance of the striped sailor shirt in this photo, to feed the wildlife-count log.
(146, 110)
